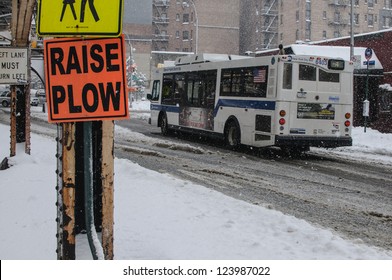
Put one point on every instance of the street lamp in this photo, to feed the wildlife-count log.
(196, 24)
(352, 31)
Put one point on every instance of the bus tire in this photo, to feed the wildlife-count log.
(164, 125)
(232, 135)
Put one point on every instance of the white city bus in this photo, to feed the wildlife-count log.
(293, 102)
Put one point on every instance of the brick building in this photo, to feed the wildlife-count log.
(196, 26)
(380, 97)
(267, 23)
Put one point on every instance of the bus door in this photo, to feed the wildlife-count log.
(196, 110)
(154, 101)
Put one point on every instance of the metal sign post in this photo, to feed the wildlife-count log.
(15, 68)
(368, 56)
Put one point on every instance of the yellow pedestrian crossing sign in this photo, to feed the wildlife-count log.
(62, 18)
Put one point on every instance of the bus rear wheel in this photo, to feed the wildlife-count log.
(164, 125)
(232, 135)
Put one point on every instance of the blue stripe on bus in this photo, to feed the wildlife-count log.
(249, 104)
(246, 104)
(165, 108)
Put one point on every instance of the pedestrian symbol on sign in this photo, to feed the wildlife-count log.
(82, 9)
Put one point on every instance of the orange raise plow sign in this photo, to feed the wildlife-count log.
(86, 79)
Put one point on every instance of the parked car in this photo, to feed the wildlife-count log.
(5, 98)
(34, 101)
(41, 95)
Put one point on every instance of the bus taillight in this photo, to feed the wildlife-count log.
(282, 121)
(347, 123)
(347, 115)
(282, 113)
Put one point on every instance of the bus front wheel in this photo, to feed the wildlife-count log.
(232, 135)
(164, 125)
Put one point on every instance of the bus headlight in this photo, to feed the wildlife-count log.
(282, 113)
(347, 115)
(282, 121)
(347, 123)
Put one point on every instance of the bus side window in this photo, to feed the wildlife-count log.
(193, 85)
(179, 90)
(287, 76)
(155, 90)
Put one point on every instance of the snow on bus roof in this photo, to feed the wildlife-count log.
(341, 52)
(338, 52)
(207, 57)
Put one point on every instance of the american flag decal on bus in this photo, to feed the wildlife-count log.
(259, 75)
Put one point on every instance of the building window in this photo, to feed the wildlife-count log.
(370, 3)
(297, 16)
(177, 17)
(185, 35)
(308, 10)
(185, 18)
(356, 18)
(324, 34)
(385, 102)
(337, 17)
(370, 20)
(336, 34)
(308, 30)
(384, 22)
(177, 34)
(324, 14)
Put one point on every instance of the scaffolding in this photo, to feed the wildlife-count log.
(160, 21)
(338, 22)
(269, 24)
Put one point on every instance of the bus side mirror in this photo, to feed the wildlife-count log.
(149, 96)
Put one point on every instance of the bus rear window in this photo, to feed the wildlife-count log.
(307, 73)
(329, 77)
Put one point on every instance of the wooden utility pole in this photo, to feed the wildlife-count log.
(66, 192)
(94, 144)
(22, 12)
(107, 188)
